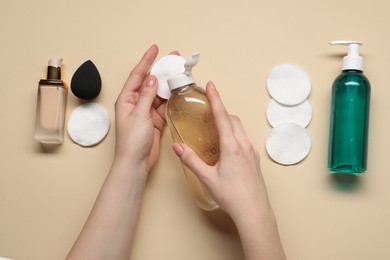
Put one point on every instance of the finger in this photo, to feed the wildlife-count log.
(158, 101)
(240, 134)
(160, 109)
(148, 94)
(221, 116)
(238, 128)
(138, 74)
(190, 159)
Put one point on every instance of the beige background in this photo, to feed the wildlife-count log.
(45, 196)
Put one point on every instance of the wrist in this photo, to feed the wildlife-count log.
(259, 234)
(127, 167)
(253, 214)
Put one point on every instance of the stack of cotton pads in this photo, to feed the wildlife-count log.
(288, 112)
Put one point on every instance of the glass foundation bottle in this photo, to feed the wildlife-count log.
(191, 121)
(51, 106)
(349, 119)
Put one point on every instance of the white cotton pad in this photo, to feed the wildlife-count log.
(288, 143)
(300, 114)
(88, 124)
(288, 84)
(164, 69)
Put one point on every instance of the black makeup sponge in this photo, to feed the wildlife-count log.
(86, 82)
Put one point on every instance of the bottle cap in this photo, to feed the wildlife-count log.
(165, 68)
(184, 78)
(353, 61)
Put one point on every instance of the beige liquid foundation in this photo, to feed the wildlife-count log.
(51, 106)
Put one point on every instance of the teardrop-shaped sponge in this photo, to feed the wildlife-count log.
(86, 82)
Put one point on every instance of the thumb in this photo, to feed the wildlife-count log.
(148, 94)
(191, 160)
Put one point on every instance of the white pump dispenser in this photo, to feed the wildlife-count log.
(184, 78)
(348, 135)
(353, 61)
(55, 62)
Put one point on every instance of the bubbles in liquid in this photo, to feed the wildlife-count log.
(191, 121)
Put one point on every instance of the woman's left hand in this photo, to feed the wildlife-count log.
(140, 116)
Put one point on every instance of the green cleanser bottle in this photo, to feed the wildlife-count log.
(349, 116)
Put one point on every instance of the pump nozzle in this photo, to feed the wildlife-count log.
(185, 78)
(54, 68)
(190, 63)
(55, 62)
(353, 61)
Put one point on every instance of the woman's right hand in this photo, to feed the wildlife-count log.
(235, 181)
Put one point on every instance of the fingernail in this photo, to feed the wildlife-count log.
(151, 81)
(178, 149)
(211, 85)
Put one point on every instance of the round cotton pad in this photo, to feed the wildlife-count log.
(300, 114)
(88, 124)
(164, 69)
(288, 143)
(288, 84)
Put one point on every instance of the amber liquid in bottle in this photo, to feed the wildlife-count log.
(191, 121)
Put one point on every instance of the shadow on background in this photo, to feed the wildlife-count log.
(47, 148)
(220, 220)
(345, 181)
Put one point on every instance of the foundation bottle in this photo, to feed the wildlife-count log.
(349, 118)
(51, 106)
(191, 121)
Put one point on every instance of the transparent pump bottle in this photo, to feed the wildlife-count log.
(191, 121)
(51, 105)
(348, 136)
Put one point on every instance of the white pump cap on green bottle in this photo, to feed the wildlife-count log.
(353, 61)
(185, 78)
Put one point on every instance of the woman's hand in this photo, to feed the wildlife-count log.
(236, 183)
(109, 231)
(139, 116)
